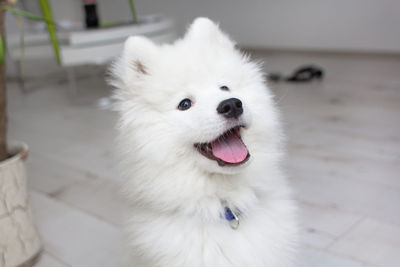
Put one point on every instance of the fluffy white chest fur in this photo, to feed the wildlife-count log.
(200, 146)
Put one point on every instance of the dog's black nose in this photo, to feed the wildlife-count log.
(230, 108)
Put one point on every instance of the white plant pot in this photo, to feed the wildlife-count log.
(19, 239)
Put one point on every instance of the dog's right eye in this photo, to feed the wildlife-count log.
(185, 104)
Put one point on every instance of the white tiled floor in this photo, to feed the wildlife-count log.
(343, 161)
(75, 236)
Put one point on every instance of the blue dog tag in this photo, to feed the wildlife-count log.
(232, 218)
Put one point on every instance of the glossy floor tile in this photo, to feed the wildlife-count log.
(76, 238)
(371, 241)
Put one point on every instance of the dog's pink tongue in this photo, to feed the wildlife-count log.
(229, 149)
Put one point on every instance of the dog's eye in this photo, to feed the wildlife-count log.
(224, 87)
(185, 104)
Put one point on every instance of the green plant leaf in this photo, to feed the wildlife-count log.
(26, 14)
(51, 29)
(20, 25)
(47, 18)
(133, 10)
(2, 51)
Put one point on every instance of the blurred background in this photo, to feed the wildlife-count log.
(334, 67)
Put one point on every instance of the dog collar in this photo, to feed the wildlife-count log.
(231, 216)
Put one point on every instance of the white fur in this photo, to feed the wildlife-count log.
(174, 191)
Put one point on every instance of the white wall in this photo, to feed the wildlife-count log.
(372, 25)
(360, 25)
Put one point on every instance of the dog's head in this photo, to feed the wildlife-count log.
(197, 103)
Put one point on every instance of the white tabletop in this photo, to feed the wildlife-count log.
(94, 46)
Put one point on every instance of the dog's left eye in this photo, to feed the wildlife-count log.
(185, 104)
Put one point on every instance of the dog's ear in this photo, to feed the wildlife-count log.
(136, 61)
(139, 54)
(205, 30)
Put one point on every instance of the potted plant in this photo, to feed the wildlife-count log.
(19, 239)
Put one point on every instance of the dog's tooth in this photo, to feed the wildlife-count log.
(209, 149)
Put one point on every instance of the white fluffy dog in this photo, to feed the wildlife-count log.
(200, 144)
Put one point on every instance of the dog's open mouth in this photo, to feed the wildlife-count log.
(228, 149)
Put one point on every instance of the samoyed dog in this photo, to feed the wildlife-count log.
(200, 145)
